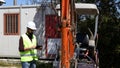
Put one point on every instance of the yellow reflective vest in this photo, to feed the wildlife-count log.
(28, 55)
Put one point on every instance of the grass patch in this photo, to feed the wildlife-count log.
(18, 65)
(44, 65)
(3, 64)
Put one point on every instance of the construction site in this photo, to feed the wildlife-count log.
(57, 31)
(66, 38)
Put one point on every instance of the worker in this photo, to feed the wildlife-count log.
(28, 47)
(82, 40)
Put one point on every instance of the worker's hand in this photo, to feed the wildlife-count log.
(86, 54)
(33, 47)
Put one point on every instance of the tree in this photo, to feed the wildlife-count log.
(109, 31)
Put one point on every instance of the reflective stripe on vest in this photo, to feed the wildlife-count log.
(30, 54)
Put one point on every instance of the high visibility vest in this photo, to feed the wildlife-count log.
(28, 55)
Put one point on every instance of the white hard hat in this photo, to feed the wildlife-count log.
(2, 1)
(31, 25)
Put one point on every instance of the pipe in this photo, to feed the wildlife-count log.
(14, 2)
(96, 26)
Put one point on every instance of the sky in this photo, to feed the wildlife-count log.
(19, 2)
(10, 2)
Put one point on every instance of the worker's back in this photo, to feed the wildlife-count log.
(83, 39)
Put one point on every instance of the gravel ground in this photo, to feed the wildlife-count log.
(8, 67)
(10, 63)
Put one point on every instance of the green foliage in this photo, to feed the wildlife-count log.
(6, 64)
(109, 32)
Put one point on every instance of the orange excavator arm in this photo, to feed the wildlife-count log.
(67, 48)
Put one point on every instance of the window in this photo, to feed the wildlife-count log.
(11, 24)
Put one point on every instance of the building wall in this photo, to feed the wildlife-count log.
(9, 43)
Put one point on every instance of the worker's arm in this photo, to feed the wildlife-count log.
(21, 46)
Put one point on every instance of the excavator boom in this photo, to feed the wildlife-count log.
(67, 48)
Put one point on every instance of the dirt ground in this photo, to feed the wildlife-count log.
(8, 67)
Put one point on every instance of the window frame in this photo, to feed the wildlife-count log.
(12, 31)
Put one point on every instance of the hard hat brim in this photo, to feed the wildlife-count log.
(33, 28)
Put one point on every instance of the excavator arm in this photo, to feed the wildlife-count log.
(67, 30)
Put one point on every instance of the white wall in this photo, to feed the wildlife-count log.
(9, 43)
